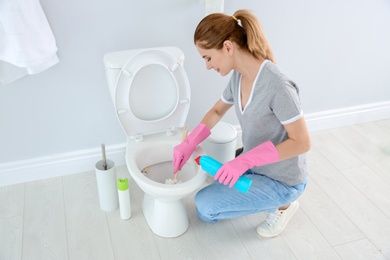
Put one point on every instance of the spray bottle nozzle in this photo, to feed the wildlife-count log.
(197, 160)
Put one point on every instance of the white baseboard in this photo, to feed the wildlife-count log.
(85, 160)
(347, 116)
(58, 165)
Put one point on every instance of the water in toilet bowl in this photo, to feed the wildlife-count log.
(162, 171)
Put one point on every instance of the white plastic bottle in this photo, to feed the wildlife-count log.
(124, 198)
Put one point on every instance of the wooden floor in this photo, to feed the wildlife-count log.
(344, 214)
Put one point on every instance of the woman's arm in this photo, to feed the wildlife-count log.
(298, 141)
(215, 113)
(266, 153)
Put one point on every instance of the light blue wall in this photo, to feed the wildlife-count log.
(337, 51)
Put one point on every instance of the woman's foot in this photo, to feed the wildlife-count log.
(277, 221)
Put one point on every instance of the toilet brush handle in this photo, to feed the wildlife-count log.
(184, 133)
(104, 157)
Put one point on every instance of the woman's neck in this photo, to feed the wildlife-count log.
(247, 65)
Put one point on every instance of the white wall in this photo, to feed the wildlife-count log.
(337, 51)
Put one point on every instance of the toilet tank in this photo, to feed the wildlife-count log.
(221, 144)
(114, 61)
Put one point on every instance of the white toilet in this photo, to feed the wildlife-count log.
(151, 93)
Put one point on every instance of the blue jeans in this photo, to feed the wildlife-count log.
(217, 201)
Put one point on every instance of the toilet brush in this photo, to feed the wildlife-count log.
(106, 183)
(183, 138)
(104, 157)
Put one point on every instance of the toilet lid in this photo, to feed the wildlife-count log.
(152, 94)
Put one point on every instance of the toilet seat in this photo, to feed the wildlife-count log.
(152, 94)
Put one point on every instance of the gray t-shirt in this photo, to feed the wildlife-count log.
(274, 101)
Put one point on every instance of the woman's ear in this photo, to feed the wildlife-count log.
(228, 46)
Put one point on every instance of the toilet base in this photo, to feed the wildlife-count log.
(166, 218)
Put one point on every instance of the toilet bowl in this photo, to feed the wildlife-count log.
(151, 94)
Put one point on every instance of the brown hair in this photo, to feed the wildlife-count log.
(243, 28)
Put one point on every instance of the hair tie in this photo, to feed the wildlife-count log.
(234, 18)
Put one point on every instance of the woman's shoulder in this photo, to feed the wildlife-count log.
(274, 80)
(272, 70)
(274, 75)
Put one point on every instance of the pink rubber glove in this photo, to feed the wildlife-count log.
(183, 151)
(263, 154)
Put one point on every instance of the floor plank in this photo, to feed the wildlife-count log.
(305, 241)
(371, 155)
(87, 229)
(335, 151)
(359, 250)
(328, 218)
(44, 221)
(371, 185)
(11, 221)
(11, 236)
(363, 213)
(11, 201)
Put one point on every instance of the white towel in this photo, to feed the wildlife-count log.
(27, 44)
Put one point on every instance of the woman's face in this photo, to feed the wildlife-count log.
(219, 60)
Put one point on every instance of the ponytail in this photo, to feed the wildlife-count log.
(242, 27)
(256, 42)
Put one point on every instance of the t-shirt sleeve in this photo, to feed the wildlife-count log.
(286, 104)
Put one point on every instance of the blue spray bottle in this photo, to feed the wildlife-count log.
(211, 166)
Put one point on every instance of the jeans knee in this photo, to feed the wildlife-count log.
(202, 208)
(203, 217)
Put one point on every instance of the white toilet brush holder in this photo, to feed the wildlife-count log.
(106, 183)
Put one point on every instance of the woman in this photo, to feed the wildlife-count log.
(274, 132)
